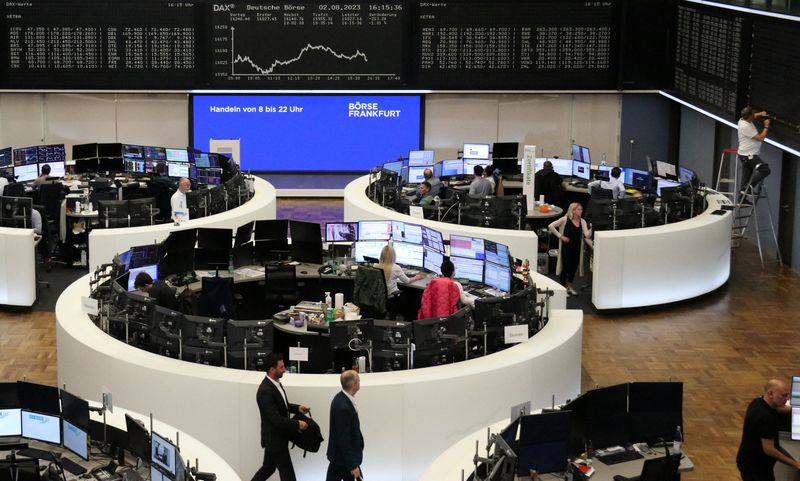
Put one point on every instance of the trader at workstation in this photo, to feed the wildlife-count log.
(159, 291)
(345, 442)
(547, 182)
(613, 184)
(396, 301)
(760, 447)
(434, 182)
(42, 179)
(424, 196)
(480, 186)
(178, 200)
(274, 406)
(750, 140)
(443, 295)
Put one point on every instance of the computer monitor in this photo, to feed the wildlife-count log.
(348, 334)
(363, 249)
(111, 164)
(151, 269)
(420, 157)
(26, 173)
(209, 238)
(272, 230)
(407, 254)
(10, 422)
(56, 169)
(654, 409)
(255, 334)
(177, 155)
(163, 454)
(202, 330)
(433, 239)
(84, 151)
(664, 183)
(374, 230)
(209, 176)
(145, 255)
(26, 156)
(75, 410)
(795, 423)
(76, 439)
(306, 241)
(404, 175)
(155, 154)
(429, 332)
(138, 438)
(41, 427)
(604, 416)
(637, 178)
(469, 165)
(468, 247)
(686, 174)
(794, 398)
(6, 157)
(505, 150)
(452, 167)
(341, 232)
(39, 398)
(9, 395)
(562, 167)
(178, 169)
(496, 253)
(395, 166)
(470, 269)
(476, 151)
(404, 232)
(543, 442)
(509, 433)
(135, 152)
(437, 170)
(585, 155)
(576, 153)
(416, 175)
(432, 261)
(498, 277)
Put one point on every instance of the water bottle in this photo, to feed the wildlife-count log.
(230, 264)
(677, 443)
(328, 301)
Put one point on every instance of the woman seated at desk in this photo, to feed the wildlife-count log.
(443, 294)
(395, 300)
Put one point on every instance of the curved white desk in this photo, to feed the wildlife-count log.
(105, 243)
(18, 270)
(523, 244)
(408, 418)
(663, 264)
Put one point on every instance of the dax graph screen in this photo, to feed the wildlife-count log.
(331, 44)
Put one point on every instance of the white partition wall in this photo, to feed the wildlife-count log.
(663, 264)
(408, 418)
(357, 206)
(18, 269)
(105, 243)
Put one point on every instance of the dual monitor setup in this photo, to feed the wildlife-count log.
(26, 164)
(476, 260)
(636, 412)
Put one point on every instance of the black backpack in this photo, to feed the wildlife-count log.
(310, 439)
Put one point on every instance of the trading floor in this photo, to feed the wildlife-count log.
(723, 346)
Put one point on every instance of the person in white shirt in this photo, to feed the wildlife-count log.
(178, 200)
(750, 140)
(395, 300)
(613, 184)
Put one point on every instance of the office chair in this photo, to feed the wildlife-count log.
(217, 298)
(601, 193)
(280, 288)
(142, 211)
(113, 213)
(369, 292)
(162, 195)
(14, 189)
(658, 469)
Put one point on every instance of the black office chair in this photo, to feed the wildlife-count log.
(369, 292)
(601, 193)
(162, 195)
(142, 211)
(280, 285)
(658, 469)
(217, 298)
(14, 189)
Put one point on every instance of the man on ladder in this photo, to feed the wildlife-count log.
(750, 140)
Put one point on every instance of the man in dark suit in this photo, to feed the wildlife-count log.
(547, 182)
(345, 442)
(276, 425)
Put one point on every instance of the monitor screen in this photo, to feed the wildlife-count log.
(416, 175)
(138, 438)
(6, 158)
(469, 165)
(156, 475)
(9, 395)
(408, 254)
(374, 230)
(26, 173)
(585, 157)
(411, 233)
(794, 398)
(209, 176)
(498, 277)
(420, 157)
(177, 155)
(576, 153)
(469, 247)
(686, 174)
(363, 249)
(543, 442)
(796, 423)
(665, 169)
(452, 167)
(341, 232)
(470, 269)
(56, 169)
(581, 170)
(433, 261)
(562, 167)
(637, 178)
(497, 253)
(433, 239)
(26, 156)
(476, 151)
(201, 160)
(662, 183)
(395, 166)
(437, 170)
(75, 439)
(42, 427)
(39, 397)
(505, 150)
(604, 170)
(151, 269)
(156, 154)
(163, 454)
(134, 152)
(10, 422)
(75, 410)
(177, 169)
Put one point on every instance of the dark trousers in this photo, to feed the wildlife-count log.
(337, 472)
(279, 460)
(757, 475)
(570, 260)
(748, 165)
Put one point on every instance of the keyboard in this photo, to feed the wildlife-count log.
(68, 464)
(620, 457)
(411, 273)
(36, 453)
(619, 477)
(71, 466)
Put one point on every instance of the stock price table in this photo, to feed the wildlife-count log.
(91, 44)
(710, 58)
(307, 44)
(548, 45)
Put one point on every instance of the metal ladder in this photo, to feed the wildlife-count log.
(731, 182)
(747, 209)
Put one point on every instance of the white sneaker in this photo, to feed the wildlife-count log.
(572, 291)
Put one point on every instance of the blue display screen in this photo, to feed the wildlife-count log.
(310, 132)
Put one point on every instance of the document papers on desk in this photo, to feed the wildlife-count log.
(250, 272)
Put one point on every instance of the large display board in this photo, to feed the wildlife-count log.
(310, 132)
(98, 44)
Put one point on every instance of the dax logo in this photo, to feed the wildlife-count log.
(223, 8)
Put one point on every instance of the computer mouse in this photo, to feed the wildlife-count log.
(303, 272)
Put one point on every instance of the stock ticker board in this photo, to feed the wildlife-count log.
(93, 44)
